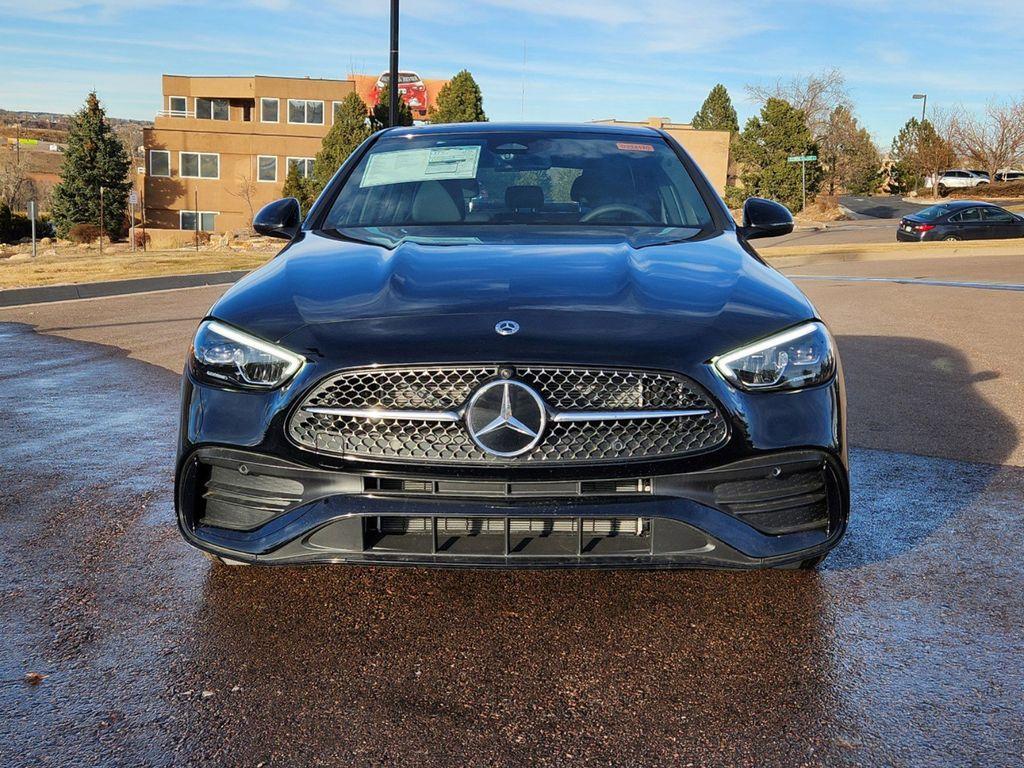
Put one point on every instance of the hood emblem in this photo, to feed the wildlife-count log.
(506, 418)
(506, 327)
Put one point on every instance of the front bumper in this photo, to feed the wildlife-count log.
(774, 509)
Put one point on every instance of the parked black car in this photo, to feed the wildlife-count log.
(960, 220)
(593, 369)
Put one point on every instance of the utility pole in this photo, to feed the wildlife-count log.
(393, 71)
(17, 143)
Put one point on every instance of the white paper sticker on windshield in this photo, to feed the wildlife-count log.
(436, 164)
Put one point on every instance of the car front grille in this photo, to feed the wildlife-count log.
(394, 414)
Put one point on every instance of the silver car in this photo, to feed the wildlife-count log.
(960, 178)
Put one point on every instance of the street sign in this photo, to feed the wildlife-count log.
(133, 198)
(803, 160)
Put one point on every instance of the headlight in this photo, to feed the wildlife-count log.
(799, 357)
(224, 355)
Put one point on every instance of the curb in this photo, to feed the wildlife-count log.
(44, 294)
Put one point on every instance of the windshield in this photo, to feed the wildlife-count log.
(933, 212)
(473, 181)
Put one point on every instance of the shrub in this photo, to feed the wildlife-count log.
(996, 189)
(141, 238)
(84, 233)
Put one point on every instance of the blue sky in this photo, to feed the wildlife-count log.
(585, 59)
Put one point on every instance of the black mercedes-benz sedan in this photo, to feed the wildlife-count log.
(960, 220)
(515, 345)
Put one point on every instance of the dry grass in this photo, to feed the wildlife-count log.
(78, 265)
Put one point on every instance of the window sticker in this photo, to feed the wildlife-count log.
(631, 147)
(434, 164)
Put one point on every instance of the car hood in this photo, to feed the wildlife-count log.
(362, 303)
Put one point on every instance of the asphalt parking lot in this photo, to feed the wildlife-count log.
(905, 649)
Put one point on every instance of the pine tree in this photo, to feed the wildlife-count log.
(850, 161)
(95, 158)
(717, 112)
(459, 101)
(300, 187)
(380, 115)
(349, 130)
(764, 145)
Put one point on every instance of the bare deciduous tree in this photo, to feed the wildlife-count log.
(13, 176)
(993, 140)
(246, 191)
(816, 95)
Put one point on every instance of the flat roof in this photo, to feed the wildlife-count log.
(617, 129)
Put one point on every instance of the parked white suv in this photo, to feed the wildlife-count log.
(960, 178)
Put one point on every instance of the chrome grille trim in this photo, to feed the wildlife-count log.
(415, 414)
(377, 413)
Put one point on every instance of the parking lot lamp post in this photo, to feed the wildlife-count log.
(393, 71)
(924, 103)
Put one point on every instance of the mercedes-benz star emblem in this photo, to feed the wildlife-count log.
(506, 327)
(506, 418)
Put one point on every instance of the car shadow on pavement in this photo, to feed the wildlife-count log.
(928, 443)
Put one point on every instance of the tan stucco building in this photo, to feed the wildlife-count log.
(220, 147)
(709, 149)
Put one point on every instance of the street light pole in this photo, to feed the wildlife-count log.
(393, 71)
(924, 103)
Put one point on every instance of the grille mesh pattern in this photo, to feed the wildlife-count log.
(563, 389)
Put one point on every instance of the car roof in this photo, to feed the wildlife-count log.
(970, 204)
(611, 129)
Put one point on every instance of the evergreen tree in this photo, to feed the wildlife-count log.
(905, 174)
(349, 130)
(95, 158)
(459, 101)
(300, 187)
(919, 151)
(850, 160)
(380, 115)
(717, 112)
(764, 145)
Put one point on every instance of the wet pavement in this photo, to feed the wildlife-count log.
(905, 649)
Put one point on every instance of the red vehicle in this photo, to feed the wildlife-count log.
(410, 87)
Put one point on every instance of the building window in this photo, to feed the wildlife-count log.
(212, 109)
(304, 164)
(270, 110)
(159, 162)
(205, 219)
(177, 106)
(336, 107)
(199, 165)
(266, 168)
(309, 112)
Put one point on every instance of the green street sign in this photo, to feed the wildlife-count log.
(801, 158)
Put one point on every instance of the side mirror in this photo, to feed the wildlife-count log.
(281, 218)
(765, 218)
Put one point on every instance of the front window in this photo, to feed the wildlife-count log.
(309, 112)
(177, 106)
(200, 165)
(304, 165)
(159, 162)
(266, 168)
(551, 180)
(212, 109)
(269, 110)
(202, 220)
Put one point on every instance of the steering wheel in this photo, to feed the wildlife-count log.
(602, 210)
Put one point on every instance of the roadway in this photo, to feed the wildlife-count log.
(903, 650)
